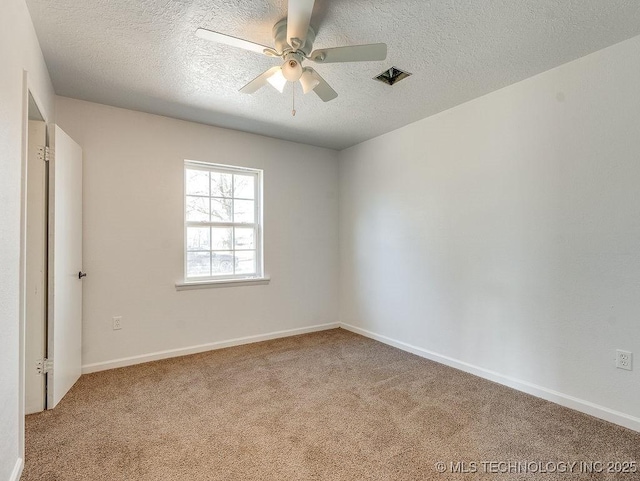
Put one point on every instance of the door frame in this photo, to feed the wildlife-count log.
(28, 87)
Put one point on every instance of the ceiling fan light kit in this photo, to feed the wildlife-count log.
(293, 43)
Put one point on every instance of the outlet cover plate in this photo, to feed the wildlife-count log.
(624, 360)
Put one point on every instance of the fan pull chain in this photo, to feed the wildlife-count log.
(293, 100)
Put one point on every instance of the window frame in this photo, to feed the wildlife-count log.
(257, 224)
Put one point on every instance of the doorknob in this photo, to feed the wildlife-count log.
(82, 274)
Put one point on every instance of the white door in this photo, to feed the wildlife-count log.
(64, 337)
(36, 268)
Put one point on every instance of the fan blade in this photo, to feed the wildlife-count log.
(355, 53)
(260, 81)
(323, 89)
(298, 20)
(229, 40)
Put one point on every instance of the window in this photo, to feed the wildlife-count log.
(223, 216)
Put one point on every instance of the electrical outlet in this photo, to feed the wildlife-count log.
(624, 360)
(117, 322)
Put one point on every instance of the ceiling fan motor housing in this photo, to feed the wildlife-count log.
(280, 39)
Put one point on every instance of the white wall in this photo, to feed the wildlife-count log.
(133, 233)
(505, 233)
(19, 51)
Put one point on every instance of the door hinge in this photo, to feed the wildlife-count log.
(43, 366)
(45, 153)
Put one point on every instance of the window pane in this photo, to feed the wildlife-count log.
(198, 209)
(245, 262)
(198, 264)
(243, 186)
(221, 221)
(197, 182)
(221, 238)
(220, 210)
(243, 211)
(222, 263)
(221, 184)
(198, 239)
(245, 238)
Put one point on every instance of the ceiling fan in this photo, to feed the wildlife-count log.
(293, 40)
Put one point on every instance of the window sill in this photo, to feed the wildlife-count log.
(249, 281)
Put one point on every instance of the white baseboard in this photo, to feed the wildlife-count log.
(565, 400)
(587, 407)
(184, 351)
(17, 470)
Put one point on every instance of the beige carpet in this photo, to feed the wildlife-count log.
(323, 406)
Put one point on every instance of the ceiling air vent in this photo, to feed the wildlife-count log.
(392, 76)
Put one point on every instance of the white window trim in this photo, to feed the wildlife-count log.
(234, 279)
(249, 281)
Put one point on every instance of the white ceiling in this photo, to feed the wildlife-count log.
(143, 55)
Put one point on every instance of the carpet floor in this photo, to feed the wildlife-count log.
(325, 406)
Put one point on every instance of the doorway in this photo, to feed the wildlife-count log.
(50, 318)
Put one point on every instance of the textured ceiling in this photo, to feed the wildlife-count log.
(143, 55)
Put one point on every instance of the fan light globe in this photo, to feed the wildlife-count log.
(308, 81)
(278, 81)
(292, 70)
